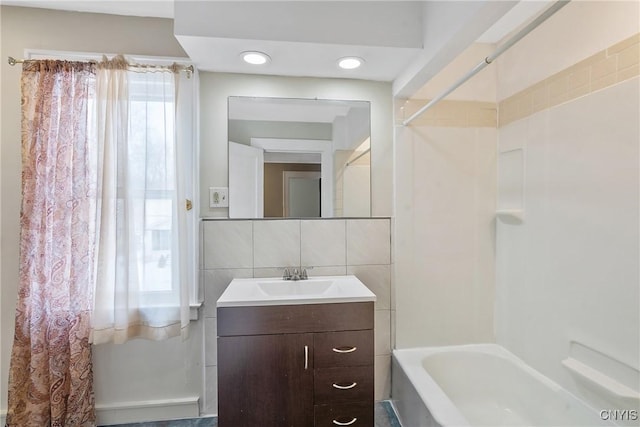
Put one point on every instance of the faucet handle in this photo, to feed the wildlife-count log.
(286, 275)
(304, 272)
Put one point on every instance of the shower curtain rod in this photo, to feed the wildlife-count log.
(360, 155)
(188, 68)
(489, 59)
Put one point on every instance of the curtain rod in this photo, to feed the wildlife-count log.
(489, 59)
(349, 163)
(188, 68)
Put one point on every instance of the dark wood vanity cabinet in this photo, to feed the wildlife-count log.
(296, 366)
(256, 381)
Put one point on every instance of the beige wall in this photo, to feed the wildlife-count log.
(567, 277)
(215, 88)
(444, 235)
(481, 88)
(445, 197)
(138, 371)
(574, 33)
(607, 67)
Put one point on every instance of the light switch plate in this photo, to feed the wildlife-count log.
(218, 197)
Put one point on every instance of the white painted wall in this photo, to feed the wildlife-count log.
(358, 123)
(570, 272)
(139, 371)
(215, 88)
(449, 27)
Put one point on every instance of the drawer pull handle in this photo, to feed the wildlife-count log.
(344, 387)
(338, 423)
(345, 350)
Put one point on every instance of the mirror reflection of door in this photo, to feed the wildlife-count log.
(302, 194)
(246, 174)
(275, 185)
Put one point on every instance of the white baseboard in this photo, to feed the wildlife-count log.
(138, 412)
(147, 410)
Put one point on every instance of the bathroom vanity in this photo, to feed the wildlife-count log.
(300, 354)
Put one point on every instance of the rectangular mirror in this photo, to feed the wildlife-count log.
(299, 158)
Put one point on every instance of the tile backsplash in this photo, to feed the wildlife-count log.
(263, 248)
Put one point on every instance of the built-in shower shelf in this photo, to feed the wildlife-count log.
(601, 381)
(510, 216)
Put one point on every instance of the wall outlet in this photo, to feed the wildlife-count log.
(218, 197)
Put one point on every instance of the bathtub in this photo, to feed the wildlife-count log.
(479, 385)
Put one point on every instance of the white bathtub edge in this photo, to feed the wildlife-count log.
(438, 404)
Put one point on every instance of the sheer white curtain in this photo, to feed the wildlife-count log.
(143, 274)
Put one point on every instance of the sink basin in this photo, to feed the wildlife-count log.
(276, 291)
(278, 288)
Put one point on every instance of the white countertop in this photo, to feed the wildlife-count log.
(276, 291)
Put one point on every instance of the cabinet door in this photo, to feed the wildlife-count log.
(265, 380)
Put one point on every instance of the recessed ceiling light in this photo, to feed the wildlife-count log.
(350, 62)
(255, 57)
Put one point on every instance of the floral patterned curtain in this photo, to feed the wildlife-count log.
(51, 379)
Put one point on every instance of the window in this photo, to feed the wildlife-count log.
(145, 131)
(151, 189)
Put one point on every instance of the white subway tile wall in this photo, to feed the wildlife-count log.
(263, 248)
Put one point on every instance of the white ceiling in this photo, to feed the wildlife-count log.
(521, 13)
(150, 8)
(303, 38)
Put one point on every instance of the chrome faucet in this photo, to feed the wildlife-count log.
(295, 273)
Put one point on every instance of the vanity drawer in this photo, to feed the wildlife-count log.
(289, 319)
(347, 384)
(348, 348)
(359, 414)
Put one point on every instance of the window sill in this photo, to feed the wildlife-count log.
(194, 310)
(151, 312)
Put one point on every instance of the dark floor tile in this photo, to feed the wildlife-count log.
(390, 413)
(192, 422)
(384, 416)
